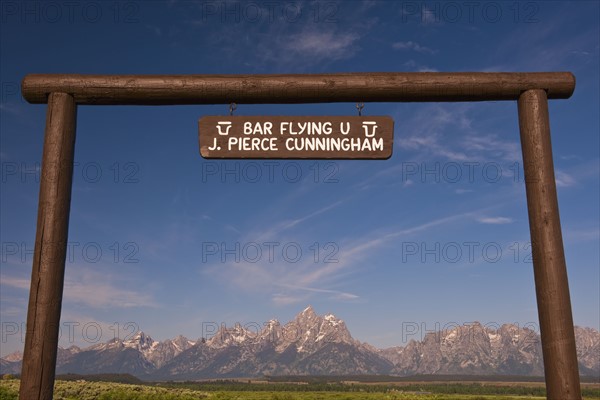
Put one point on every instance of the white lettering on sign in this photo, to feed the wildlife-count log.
(252, 143)
(296, 137)
(305, 128)
(333, 144)
(258, 129)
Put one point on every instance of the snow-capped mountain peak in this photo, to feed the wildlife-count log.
(235, 335)
(333, 320)
(321, 345)
(140, 341)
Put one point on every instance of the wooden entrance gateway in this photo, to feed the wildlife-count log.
(63, 93)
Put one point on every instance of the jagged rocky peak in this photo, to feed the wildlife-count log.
(336, 328)
(588, 350)
(14, 357)
(307, 315)
(182, 342)
(309, 331)
(271, 333)
(333, 320)
(272, 325)
(139, 341)
(229, 336)
(314, 344)
(308, 310)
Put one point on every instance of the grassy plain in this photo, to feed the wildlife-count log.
(84, 390)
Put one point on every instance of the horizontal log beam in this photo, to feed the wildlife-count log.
(321, 88)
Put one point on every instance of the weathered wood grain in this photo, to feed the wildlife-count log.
(321, 88)
(550, 270)
(47, 275)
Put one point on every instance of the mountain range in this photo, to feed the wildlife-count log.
(318, 345)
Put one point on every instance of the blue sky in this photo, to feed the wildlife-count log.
(435, 236)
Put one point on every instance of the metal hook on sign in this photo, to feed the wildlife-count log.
(232, 108)
(359, 107)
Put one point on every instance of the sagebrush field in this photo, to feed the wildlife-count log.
(84, 390)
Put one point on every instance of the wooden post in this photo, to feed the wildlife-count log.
(552, 288)
(47, 276)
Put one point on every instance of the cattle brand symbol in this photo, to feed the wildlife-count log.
(224, 124)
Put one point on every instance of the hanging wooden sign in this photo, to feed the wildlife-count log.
(317, 137)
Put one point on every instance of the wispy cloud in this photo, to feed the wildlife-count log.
(428, 126)
(322, 44)
(462, 191)
(491, 144)
(414, 46)
(428, 17)
(547, 47)
(97, 290)
(91, 288)
(12, 312)
(361, 248)
(412, 65)
(577, 173)
(287, 45)
(277, 229)
(292, 223)
(297, 282)
(13, 109)
(285, 299)
(18, 283)
(581, 234)
(495, 220)
(294, 294)
(563, 179)
(427, 69)
(447, 131)
(308, 47)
